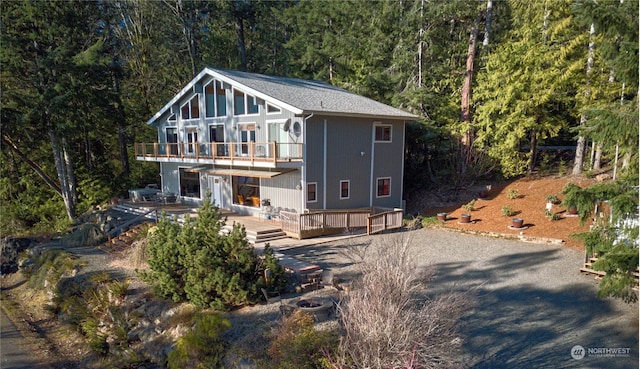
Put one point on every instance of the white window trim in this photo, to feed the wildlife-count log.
(377, 184)
(315, 184)
(199, 180)
(215, 100)
(379, 124)
(246, 103)
(348, 189)
(197, 96)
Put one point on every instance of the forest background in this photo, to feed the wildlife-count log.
(490, 80)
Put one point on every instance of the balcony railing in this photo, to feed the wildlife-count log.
(230, 151)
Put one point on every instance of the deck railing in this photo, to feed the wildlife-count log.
(321, 223)
(384, 221)
(232, 151)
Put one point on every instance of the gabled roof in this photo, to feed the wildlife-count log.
(300, 96)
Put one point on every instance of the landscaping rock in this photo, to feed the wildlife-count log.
(10, 248)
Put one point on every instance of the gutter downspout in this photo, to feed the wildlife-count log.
(304, 164)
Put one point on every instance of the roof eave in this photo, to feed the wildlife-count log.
(407, 117)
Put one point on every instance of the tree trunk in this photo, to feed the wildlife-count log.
(597, 157)
(420, 44)
(48, 180)
(122, 125)
(533, 143)
(467, 138)
(60, 159)
(487, 26)
(72, 184)
(578, 162)
(242, 49)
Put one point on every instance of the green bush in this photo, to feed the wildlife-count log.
(470, 206)
(513, 193)
(203, 347)
(50, 266)
(195, 263)
(297, 345)
(508, 211)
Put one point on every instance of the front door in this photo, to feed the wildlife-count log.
(215, 185)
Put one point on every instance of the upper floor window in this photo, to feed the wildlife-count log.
(273, 109)
(172, 117)
(244, 104)
(190, 110)
(215, 97)
(383, 133)
(312, 189)
(252, 105)
(384, 187)
(210, 100)
(344, 189)
(221, 100)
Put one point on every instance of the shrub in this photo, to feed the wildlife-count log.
(388, 321)
(508, 211)
(50, 266)
(203, 347)
(470, 205)
(552, 215)
(430, 221)
(513, 193)
(195, 263)
(552, 199)
(296, 344)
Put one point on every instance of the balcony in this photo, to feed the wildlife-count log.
(263, 154)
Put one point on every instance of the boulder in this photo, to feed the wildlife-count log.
(10, 248)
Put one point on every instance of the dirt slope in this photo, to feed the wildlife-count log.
(530, 205)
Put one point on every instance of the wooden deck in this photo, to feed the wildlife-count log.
(258, 230)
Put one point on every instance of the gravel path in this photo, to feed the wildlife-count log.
(533, 305)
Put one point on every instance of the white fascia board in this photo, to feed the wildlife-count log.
(405, 118)
(253, 92)
(177, 97)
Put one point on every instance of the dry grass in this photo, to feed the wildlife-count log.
(135, 257)
(389, 321)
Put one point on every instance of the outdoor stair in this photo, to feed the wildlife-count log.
(598, 274)
(124, 240)
(255, 237)
(265, 235)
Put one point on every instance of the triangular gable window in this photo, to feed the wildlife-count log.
(273, 109)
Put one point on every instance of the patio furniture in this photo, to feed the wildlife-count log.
(143, 194)
(166, 197)
(271, 296)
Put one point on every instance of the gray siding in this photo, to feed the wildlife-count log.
(283, 191)
(352, 155)
(389, 162)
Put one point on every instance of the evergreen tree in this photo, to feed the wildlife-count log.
(526, 84)
(46, 86)
(196, 263)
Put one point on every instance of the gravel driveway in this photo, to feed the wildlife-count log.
(533, 305)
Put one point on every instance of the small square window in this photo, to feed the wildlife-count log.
(384, 187)
(383, 133)
(312, 189)
(344, 189)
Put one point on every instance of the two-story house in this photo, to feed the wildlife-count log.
(297, 145)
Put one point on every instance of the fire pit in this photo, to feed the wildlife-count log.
(309, 303)
(320, 308)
